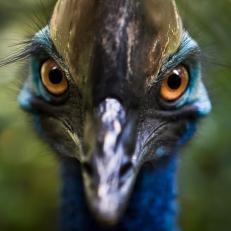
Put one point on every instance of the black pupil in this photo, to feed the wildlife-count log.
(174, 81)
(55, 76)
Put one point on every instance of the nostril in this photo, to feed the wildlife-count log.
(87, 168)
(125, 168)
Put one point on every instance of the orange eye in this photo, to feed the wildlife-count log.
(53, 78)
(175, 84)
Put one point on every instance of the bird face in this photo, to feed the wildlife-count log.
(114, 84)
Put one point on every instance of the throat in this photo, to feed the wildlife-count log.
(152, 205)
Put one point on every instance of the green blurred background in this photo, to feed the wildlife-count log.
(28, 171)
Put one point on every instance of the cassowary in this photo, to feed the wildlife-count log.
(115, 89)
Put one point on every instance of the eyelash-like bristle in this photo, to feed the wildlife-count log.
(24, 50)
(39, 17)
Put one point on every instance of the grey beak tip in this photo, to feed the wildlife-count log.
(107, 214)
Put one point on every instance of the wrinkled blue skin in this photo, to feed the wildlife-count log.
(153, 205)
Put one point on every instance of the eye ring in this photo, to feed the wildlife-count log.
(175, 84)
(53, 78)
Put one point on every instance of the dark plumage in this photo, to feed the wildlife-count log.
(115, 88)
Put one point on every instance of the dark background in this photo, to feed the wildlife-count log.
(28, 171)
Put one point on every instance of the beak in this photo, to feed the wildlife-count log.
(110, 171)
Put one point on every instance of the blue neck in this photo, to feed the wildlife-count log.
(152, 206)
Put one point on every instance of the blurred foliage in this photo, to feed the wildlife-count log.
(28, 172)
(206, 166)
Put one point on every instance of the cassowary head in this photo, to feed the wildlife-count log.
(114, 84)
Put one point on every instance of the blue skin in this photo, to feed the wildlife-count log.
(153, 202)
